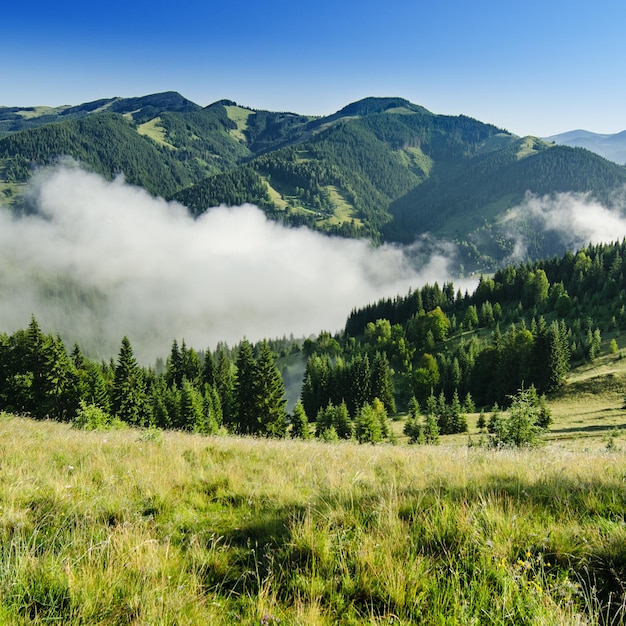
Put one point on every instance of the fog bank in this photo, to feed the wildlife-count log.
(97, 260)
(570, 220)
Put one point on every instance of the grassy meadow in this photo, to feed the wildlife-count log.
(143, 527)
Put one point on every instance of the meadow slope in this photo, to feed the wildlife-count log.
(144, 527)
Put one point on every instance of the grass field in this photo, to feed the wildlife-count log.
(143, 527)
(155, 131)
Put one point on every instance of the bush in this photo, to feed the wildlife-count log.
(520, 428)
(92, 417)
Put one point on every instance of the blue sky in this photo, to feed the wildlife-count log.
(531, 67)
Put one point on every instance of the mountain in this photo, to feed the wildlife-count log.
(382, 168)
(612, 147)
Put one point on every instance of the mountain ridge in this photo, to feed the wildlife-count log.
(611, 146)
(381, 168)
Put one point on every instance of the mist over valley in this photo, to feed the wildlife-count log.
(156, 218)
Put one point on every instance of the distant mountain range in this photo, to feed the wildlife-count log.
(612, 147)
(382, 168)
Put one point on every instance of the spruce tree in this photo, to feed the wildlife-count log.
(269, 396)
(299, 422)
(208, 368)
(191, 408)
(381, 382)
(128, 396)
(224, 383)
(245, 419)
(367, 425)
(342, 422)
(430, 429)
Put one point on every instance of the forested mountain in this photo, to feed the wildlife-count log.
(382, 168)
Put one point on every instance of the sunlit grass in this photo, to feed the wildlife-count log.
(155, 131)
(120, 527)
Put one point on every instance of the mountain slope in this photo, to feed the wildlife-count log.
(107, 144)
(382, 168)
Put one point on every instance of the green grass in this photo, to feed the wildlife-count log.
(240, 116)
(155, 131)
(123, 528)
(343, 211)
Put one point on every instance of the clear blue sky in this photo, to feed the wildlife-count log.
(531, 67)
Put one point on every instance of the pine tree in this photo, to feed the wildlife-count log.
(359, 391)
(158, 396)
(246, 419)
(191, 408)
(128, 396)
(269, 395)
(95, 390)
(431, 430)
(367, 425)
(208, 368)
(174, 374)
(381, 413)
(224, 383)
(299, 422)
(481, 423)
(61, 389)
(381, 385)
(342, 422)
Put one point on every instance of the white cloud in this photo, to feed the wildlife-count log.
(143, 267)
(573, 219)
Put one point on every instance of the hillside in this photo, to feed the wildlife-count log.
(382, 168)
(136, 527)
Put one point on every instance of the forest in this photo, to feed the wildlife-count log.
(384, 169)
(434, 353)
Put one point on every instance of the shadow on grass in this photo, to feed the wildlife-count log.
(588, 429)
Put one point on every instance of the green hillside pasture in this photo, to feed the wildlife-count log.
(38, 111)
(275, 196)
(240, 116)
(343, 211)
(155, 131)
(589, 410)
(414, 158)
(9, 192)
(131, 527)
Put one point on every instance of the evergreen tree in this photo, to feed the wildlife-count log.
(192, 408)
(158, 397)
(468, 403)
(213, 408)
(367, 425)
(224, 384)
(381, 413)
(299, 422)
(431, 430)
(381, 385)
(481, 423)
(94, 388)
(494, 419)
(246, 419)
(191, 366)
(359, 391)
(208, 369)
(175, 373)
(412, 427)
(61, 390)
(269, 395)
(128, 396)
(520, 428)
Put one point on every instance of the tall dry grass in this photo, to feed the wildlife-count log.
(123, 527)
